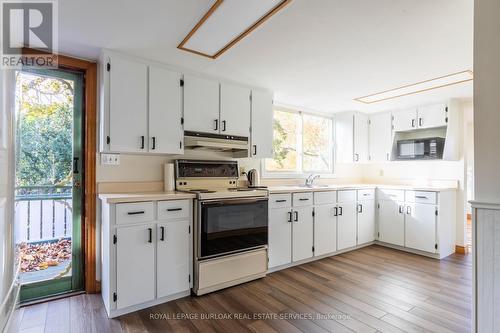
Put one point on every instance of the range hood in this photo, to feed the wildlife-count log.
(216, 142)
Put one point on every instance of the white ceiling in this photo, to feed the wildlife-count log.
(314, 54)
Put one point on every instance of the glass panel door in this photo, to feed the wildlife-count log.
(48, 181)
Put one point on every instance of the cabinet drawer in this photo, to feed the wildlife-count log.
(174, 209)
(134, 212)
(346, 196)
(394, 195)
(366, 194)
(421, 197)
(322, 198)
(280, 200)
(302, 199)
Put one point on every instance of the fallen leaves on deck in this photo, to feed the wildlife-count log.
(38, 256)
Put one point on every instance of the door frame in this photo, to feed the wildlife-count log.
(88, 231)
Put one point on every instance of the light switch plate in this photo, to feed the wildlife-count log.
(110, 159)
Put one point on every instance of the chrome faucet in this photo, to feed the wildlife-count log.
(310, 179)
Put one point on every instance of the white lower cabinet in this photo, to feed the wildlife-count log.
(391, 222)
(146, 261)
(135, 265)
(346, 225)
(366, 221)
(302, 233)
(173, 253)
(325, 229)
(280, 236)
(420, 231)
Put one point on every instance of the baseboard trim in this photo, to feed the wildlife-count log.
(461, 249)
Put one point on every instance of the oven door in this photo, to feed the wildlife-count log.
(229, 226)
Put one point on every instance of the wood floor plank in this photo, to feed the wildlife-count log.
(374, 289)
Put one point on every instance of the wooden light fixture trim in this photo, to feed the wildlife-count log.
(361, 99)
(235, 40)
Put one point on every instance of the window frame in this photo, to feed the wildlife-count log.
(300, 142)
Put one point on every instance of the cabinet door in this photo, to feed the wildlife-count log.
(201, 105)
(432, 116)
(346, 225)
(280, 236)
(420, 223)
(165, 111)
(360, 138)
(262, 124)
(128, 106)
(302, 233)
(135, 265)
(325, 229)
(366, 221)
(404, 120)
(234, 110)
(344, 138)
(380, 137)
(173, 257)
(391, 222)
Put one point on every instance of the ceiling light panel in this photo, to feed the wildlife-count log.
(227, 22)
(419, 87)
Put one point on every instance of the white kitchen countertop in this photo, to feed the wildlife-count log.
(320, 188)
(112, 198)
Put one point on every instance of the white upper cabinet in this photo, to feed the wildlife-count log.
(404, 120)
(351, 138)
(380, 137)
(432, 116)
(360, 138)
(201, 105)
(262, 124)
(128, 106)
(234, 110)
(165, 111)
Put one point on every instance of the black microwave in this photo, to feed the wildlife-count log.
(420, 149)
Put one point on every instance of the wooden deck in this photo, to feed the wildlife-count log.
(374, 289)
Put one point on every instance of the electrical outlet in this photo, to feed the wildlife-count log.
(110, 159)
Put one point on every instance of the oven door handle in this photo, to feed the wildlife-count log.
(229, 202)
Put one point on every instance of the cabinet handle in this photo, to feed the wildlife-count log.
(254, 150)
(150, 231)
(335, 211)
(340, 211)
(387, 157)
(303, 199)
(421, 197)
(216, 122)
(223, 126)
(296, 216)
(154, 143)
(173, 209)
(136, 213)
(360, 208)
(281, 200)
(413, 123)
(289, 216)
(419, 121)
(408, 210)
(162, 234)
(400, 209)
(142, 141)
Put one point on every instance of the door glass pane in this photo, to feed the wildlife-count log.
(316, 144)
(227, 227)
(45, 107)
(286, 128)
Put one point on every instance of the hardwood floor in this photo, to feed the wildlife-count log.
(374, 289)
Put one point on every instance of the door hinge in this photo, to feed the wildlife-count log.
(189, 229)
(181, 83)
(108, 66)
(446, 119)
(392, 117)
(313, 248)
(115, 239)
(313, 213)
(437, 213)
(369, 158)
(378, 234)
(115, 297)
(250, 97)
(378, 206)
(436, 246)
(369, 122)
(108, 140)
(189, 278)
(182, 120)
(392, 126)
(446, 109)
(180, 144)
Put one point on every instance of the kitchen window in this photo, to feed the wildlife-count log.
(302, 144)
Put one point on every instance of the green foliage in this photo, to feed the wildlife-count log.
(44, 131)
(279, 147)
